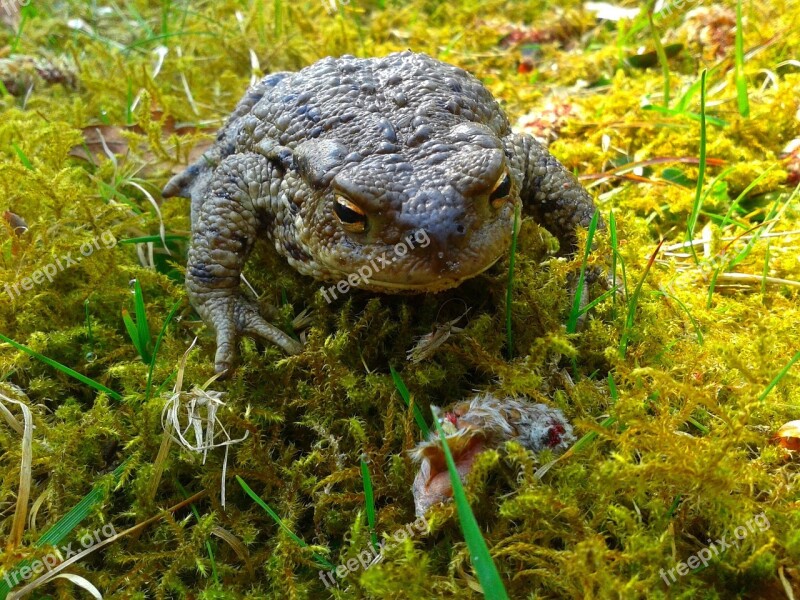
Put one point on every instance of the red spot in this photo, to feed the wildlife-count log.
(554, 435)
(451, 417)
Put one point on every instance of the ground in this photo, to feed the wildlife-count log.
(683, 377)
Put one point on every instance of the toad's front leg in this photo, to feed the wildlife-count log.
(552, 194)
(223, 234)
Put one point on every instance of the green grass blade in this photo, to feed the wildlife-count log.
(154, 238)
(592, 435)
(143, 328)
(735, 204)
(489, 578)
(699, 425)
(406, 396)
(634, 301)
(672, 112)
(89, 334)
(158, 345)
(278, 8)
(741, 82)
(612, 230)
(575, 312)
(695, 324)
(597, 301)
(778, 377)
(698, 196)
(25, 13)
(63, 368)
(673, 507)
(725, 265)
(23, 158)
(66, 524)
(133, 332)
(512, 260)
(299, 541)
(369, 501)
(761, 230)
(765, 272)
(612, 388)
(662, 58)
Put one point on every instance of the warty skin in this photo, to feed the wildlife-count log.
(337, 163)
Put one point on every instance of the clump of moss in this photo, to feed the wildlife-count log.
(688, 457)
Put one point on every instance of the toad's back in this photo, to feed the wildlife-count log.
(342, 163)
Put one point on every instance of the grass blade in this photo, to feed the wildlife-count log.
(512, 259)
(406, 396)
(132, 330)
(634, 301)
(662, 58)
(741, 82)
(141, 321)
(369, 501)
(157, 346)
(89, 334)
(489, 578)
(587, 438)
(612, 230)
(722, 265)
(23, 158)
(155, 238)
(698, 196)
(778, 377)
(695, 324)
(575, 313)
(66, 524)
(63, 368)
(299, 541)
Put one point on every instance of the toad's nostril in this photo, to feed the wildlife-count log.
(460, 229)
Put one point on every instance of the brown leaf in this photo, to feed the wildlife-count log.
(106, 141)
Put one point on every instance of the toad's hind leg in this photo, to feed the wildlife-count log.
(222, 237)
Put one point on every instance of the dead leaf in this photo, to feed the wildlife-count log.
(103, 142)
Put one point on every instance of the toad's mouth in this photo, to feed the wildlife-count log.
(415, 275)
(438, 283)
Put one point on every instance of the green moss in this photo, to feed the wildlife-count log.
(688, 459)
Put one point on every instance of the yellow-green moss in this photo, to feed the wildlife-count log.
(688, 459)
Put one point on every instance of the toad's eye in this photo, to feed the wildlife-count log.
(501, 190)
(352, 218)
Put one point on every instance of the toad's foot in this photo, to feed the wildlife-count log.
(233, 317)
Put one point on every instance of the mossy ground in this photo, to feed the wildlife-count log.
(689, 458)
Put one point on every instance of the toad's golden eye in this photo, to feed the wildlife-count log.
(352, 218)
(501, 190)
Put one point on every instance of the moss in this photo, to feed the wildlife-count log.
(688, 459)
